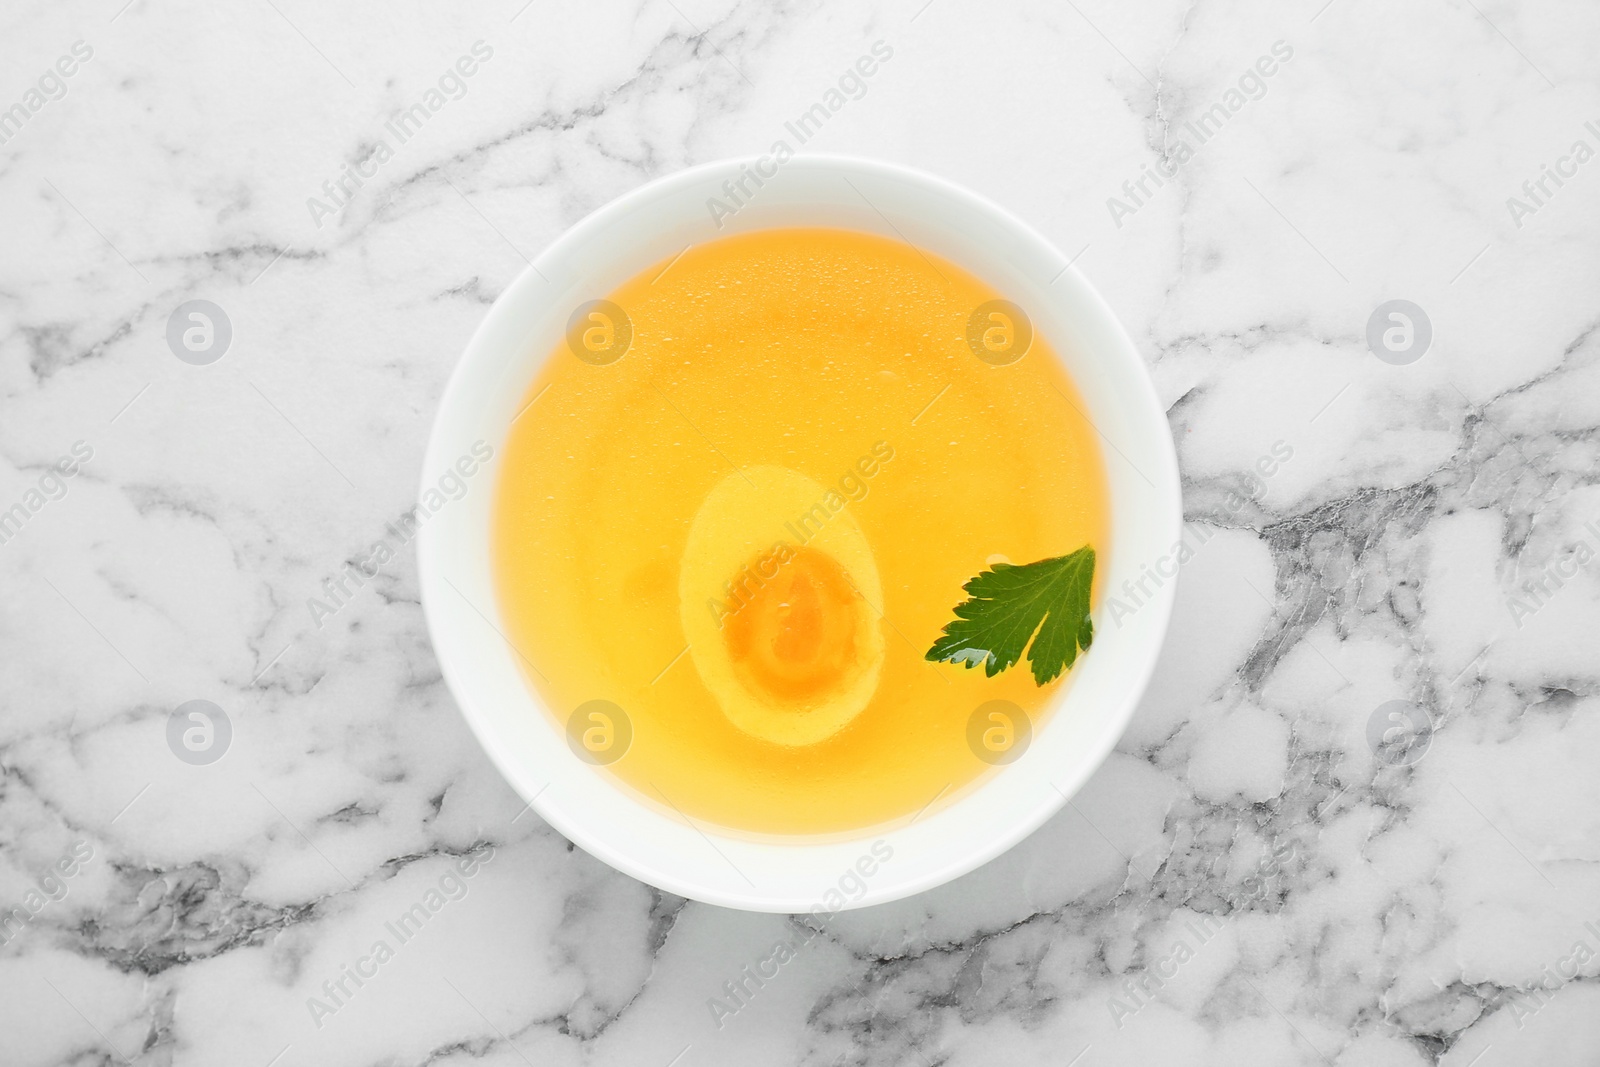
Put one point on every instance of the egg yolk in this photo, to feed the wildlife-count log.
(795, 639)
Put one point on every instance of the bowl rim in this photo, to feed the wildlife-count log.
(1157, 609)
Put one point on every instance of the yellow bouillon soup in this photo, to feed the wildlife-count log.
(742, 502)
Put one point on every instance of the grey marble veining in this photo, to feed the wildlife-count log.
(1249, 879)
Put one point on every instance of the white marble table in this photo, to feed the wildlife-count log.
(1245, 882)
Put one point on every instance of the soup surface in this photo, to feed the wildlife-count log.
(741, 504)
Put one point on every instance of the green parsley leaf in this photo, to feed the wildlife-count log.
(1009, 603)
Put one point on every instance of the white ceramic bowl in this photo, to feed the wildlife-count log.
(803, 874)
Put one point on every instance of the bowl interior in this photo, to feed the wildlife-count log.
(702, 861)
